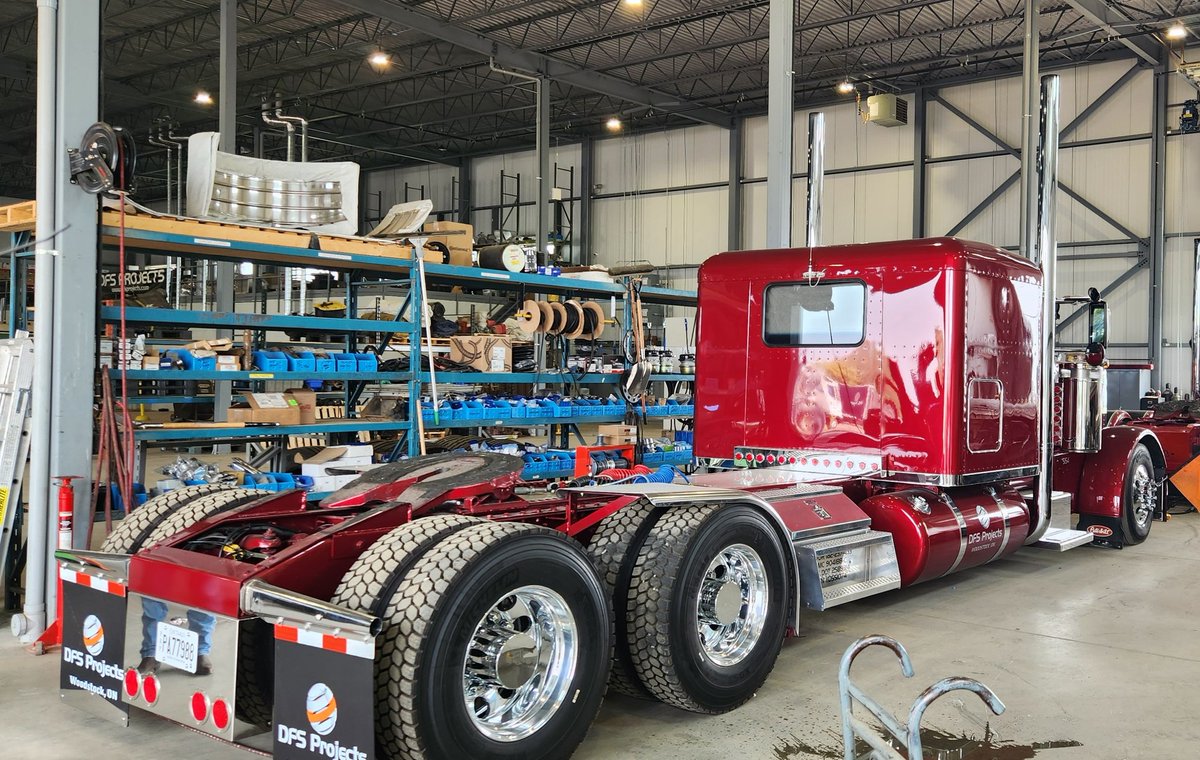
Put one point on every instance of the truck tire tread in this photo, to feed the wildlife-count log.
(130, 533)
(613, 549)
(648, 615)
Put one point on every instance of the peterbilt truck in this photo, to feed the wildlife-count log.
(879, 426)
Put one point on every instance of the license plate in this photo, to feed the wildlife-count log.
(177, 647)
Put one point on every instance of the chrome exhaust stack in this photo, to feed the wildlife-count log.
(1045, 255)
(816, 179)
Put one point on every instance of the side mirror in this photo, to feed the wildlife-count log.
(1098, 323)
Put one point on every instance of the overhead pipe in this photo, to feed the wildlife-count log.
(180, 178)
(1045, 255)
(303, 130)
(157, 139)
(32, 622)
(541, 92)
(289, 126)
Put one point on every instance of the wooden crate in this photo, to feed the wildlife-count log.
(19, 217)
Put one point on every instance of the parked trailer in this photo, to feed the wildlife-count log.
(884, 421)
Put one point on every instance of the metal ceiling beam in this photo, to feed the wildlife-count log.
(1107, 18)
(539, 63)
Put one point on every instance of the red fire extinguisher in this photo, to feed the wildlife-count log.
(66, 509)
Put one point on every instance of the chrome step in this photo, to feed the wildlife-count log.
(1064, 539)
(846, 567)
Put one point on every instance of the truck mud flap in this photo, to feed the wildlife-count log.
(93, 643)
(324, 695)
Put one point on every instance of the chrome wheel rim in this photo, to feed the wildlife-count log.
(1145, 496)
(731, 607)
(520, 663)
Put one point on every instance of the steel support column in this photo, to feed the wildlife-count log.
(73, 353)
(227, 122)
(780, 107)
(1158, 194)
(734, 242)
(919, 107)
(587, 184)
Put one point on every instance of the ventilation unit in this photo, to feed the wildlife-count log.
(887, 110)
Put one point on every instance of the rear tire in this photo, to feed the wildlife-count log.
(707, 607)
(1140, 498)
(613, 549)
(471, 629)
(168, 513)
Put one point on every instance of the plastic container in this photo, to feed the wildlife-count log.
(270, 361)
(345, 362)
(279, 481)
(324, 363)
(499, 409)
(301, 361)
(366, 362)
(192, 362)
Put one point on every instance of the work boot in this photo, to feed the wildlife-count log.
(147, 666)
(203, 665)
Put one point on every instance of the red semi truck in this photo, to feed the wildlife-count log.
(880, 413)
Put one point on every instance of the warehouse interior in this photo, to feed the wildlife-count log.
(331, 321)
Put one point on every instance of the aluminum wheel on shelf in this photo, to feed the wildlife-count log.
(520, 663)
(731, 608)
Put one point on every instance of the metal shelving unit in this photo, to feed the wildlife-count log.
(401, 274)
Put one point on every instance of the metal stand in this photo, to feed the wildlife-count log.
(908, 737)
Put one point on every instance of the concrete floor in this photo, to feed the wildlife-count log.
(1094, 646)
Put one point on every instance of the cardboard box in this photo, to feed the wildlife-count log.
(266, 407)
(228, 363)
(306, 400)
(460, 242)
(611, 435)
(486, 353)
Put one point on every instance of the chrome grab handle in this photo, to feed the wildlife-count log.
(907, 736)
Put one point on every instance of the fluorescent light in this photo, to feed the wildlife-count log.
(613, 124)
(203, 98)
(246, 267)
(379, 59)
(845, 87)
(1177, 32)
(633, 2)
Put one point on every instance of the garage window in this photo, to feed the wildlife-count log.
(826, 314)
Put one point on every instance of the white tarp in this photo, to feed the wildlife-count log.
(204, 161)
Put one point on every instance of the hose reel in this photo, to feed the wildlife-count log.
(571, 319)
(105, 160)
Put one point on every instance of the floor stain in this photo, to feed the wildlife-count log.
(938, 745)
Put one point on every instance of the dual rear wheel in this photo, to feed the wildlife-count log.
(498, 637)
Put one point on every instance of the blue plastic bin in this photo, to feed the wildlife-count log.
(324, 363)
(345, 362)
(366, 362)
(301, 361)
(191, 361)
(270, 361)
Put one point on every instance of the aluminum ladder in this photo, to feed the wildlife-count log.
(907, 736)
(16, 385)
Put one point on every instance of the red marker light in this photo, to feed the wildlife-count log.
(791, 460)
(759, 458)
(220, 714)
(737, 455)
(838, 464)
(770, 459)
(826, 462)
(199, 707)
(133, 683)
(862, 465)
(803, 460)
(150, 689)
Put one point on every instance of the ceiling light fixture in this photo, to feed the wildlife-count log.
(203, 98)
(633, 2)
(845, 87)
(379, 59)
(1176, 31)
(613, 124)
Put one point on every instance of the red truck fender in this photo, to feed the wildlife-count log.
(1097, 481)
